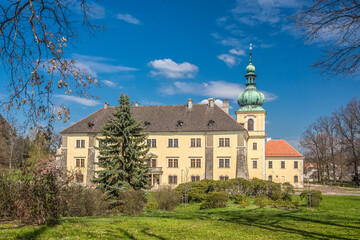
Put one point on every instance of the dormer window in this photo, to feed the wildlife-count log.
(250, 125)
(211, 122)
(90, 124)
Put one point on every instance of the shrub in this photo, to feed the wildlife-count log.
(215, 200)
(152, 206)
(312, 197)
(198, 190)
(241, 200)
(39, 193)
(273, 191)
(80, 202)
(132, 202)
(166, 198)
(8, 195)
(287, 191)
(261, 201)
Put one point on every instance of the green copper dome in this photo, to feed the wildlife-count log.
(251, 99)
(250, 68)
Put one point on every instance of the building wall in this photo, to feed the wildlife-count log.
(287, 174)
(73, 153)
(184, 153)
(257, 136)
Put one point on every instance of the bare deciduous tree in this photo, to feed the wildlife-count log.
(33, 37)
(336, 23)
(349, 131)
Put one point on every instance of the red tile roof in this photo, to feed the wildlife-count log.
(280, 148)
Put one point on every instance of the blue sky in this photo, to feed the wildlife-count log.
(164, 52)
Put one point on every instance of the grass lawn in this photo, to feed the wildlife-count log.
(337, 218)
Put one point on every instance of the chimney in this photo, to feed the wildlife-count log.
(190, 103)
(225, 105)
(136, 104)
(106, 105)
(211, 102)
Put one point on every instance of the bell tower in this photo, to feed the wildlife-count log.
(252, 115)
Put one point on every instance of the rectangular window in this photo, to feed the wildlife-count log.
(173, 142)
(270, 164)
(151, 143)
(224, 142)
(227, 163)
(195, 142)
(173, 163)
(224, 163)
(224, 178)
(195, 178)
(172, 179)
(80, 143)
(254, 146)
(296, 179)
(80, 162)
(296, 164)
(221, 142)
(176, 163)
(254, 163)
(192, 163)
(221, 163)
(227, 142)
(153, 163)
(195, 163)
(282, 164)
(198, 163)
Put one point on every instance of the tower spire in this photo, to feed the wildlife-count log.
(250, 52)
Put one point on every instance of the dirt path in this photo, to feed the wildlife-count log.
(333, 190)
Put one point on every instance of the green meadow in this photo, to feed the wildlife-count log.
(338, 217)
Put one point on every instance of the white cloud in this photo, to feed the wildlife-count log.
(128, 18)
(95, 65)
(218, 102)
(170, 69)
(238, 52)
(215, 89)
(228, 59)
(262, 11)
(82, 101)
(109, 83)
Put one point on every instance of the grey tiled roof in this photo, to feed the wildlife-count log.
(164, 118)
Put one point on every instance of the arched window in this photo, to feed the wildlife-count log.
(270, 177)
(250, 125)
(296, 179)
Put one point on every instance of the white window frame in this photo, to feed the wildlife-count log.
(257, 166)
(81, 143)
(284, 165)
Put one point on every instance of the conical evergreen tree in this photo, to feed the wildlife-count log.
(123, 151)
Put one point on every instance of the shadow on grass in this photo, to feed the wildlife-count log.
(145, 231)
(272, 221)
(36, 233)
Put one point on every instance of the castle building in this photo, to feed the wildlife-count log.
(191, 142)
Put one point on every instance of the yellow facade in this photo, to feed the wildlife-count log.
(286, 173)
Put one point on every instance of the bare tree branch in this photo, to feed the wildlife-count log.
(33, 37)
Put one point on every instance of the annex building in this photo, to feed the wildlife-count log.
(191, 142)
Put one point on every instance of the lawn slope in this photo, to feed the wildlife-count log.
(337, 218)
